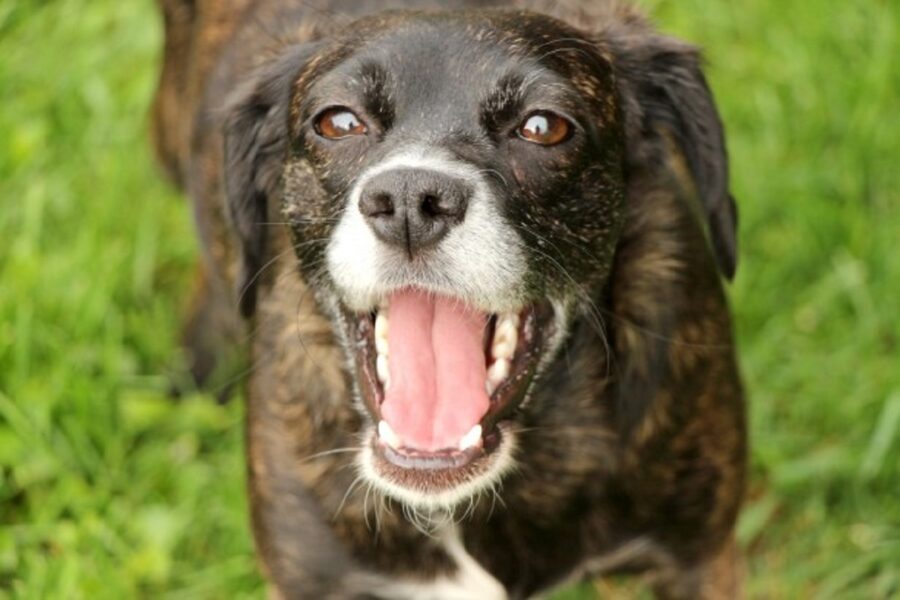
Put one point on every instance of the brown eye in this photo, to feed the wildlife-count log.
(544, 128)
(338, 122)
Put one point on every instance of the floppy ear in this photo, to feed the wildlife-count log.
(255, 136)
(665, 91)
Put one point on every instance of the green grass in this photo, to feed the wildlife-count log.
(109, 490)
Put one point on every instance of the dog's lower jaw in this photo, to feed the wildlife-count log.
(433, 505)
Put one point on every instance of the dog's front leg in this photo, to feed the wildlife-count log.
(718, 578)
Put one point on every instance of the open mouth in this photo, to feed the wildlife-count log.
(439, 379)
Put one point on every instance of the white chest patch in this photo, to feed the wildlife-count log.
(470, 582)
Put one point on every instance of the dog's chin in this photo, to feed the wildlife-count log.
(442, 486)
(466, 442)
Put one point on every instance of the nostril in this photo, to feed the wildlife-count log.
(384, 204)
(431, 205)
(377, 204)
(449, 205)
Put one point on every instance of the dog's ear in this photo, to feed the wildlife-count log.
(666, 95)
(255, 136)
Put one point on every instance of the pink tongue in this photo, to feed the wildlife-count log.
(436, 357)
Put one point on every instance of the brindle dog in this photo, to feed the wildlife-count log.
(475, 255)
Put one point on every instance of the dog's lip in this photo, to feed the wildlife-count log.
(536, 323)
(441, 460)
(441, 478)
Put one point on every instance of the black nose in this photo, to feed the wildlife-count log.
(413, 208)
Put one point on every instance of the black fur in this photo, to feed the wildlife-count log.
(254, 140)
(667, 90)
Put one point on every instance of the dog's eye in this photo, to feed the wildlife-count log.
(544, 128)
(339, 122)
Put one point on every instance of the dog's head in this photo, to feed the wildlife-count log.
(454, 184)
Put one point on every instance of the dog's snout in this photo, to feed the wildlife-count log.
(413, 208)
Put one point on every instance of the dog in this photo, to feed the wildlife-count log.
(473, 253)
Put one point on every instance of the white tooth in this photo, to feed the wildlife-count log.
(498, 371)
(381, 325)
(512, 318)
(506, 328)
(381, 367)
(506, 336)
(470, 439)
(504, 346)
(387, 435)
(489, 387)
(381, 333)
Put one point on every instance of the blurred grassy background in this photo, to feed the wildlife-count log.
(109, 490)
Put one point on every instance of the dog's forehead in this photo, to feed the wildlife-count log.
(473, 40)
(459, 54)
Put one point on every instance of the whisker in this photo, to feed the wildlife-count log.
(302, 342)
(356, 481)
(259, 273)
(498, 174)
(328, 453)
(241, 375)
(369, 489)
(300, 220)
(564, 40)
(595, 316)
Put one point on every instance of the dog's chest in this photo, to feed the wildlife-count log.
(470, 581)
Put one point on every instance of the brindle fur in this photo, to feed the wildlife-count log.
(632, 452)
